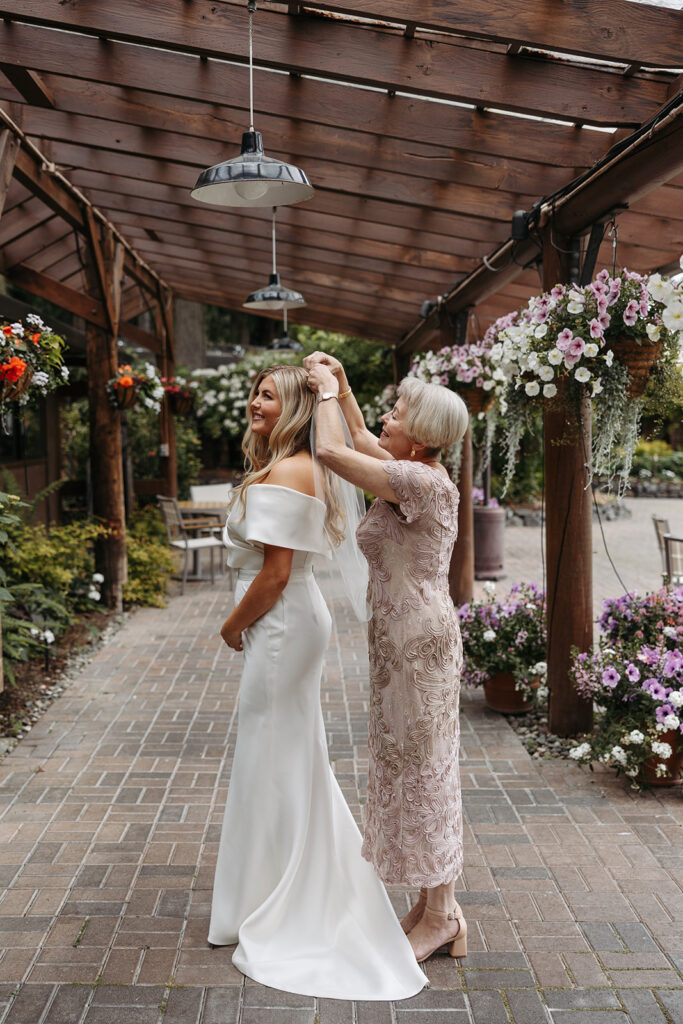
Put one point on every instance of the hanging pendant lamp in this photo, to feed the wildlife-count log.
(284, 342)
(274, 295)
(252, 179)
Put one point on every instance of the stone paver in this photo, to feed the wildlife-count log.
(111, 811)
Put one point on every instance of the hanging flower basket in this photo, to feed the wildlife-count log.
(31, 361)
(11, 389)
(476, 399)
(639, 358)
(125, 397)
(180, 403)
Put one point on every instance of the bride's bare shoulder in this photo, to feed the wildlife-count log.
(296, 472)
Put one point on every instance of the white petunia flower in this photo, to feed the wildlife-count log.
(591, 350)
(653, 331)
(541, 331)
(597, 387)
(532, 388)
(546, 373)
(555, 357)
(609, 357)
(575, 307)
(582, 375)
(672, 317)
(549, 390)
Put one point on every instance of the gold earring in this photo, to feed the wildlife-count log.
(412, 452)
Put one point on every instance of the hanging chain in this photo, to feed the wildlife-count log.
(613, 233)
(274, 261)
(251, 7)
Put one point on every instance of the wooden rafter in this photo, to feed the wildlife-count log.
(29, 85)
(616, 31)
(429, 67)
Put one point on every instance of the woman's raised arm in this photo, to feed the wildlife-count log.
(363, 439)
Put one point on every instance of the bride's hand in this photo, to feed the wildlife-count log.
(320, 379)
(322, 358)
(232, 637)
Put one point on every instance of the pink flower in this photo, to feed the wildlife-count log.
(631, 313)
(614, 291)
(604, 319)
(595, 328)
(576, 348)
(602, 304)
(558, 291)
(570, 360)
(564, 339)
(603, 276)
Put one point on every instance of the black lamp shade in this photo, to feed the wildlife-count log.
(252, 179)
(274, 296)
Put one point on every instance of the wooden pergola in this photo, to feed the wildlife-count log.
(423, 127)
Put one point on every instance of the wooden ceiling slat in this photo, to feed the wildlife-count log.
(618, 31)
(300, 143)
(427, 67)
(134, 74)
(420, 192)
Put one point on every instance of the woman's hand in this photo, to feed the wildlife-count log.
(322, 358)
(232, 637)
(321, 378)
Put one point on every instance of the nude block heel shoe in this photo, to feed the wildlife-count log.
(457, 947)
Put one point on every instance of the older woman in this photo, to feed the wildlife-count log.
(413, 832)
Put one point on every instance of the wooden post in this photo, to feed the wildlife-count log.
(103, 273)
(168, 455)
(9, 145)
(569, 564)
(461, 572)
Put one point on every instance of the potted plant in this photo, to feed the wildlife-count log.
(504, 647)
(637, 692)
(180, 393)
(31, 360)
(131, 384)
(604, 341)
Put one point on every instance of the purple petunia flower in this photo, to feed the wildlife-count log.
(633, 673)
(610, 677)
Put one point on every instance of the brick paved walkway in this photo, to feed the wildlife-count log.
(111, 823)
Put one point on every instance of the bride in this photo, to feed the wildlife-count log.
(291, 888)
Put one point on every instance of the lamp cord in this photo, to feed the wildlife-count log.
(251, 66)
(274, 259)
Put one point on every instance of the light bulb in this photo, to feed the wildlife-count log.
(251, 189)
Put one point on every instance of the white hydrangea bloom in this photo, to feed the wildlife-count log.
(635, 736)
(662, 749)
(618, 754)
(583, 750)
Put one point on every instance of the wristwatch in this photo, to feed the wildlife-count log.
(327, 394)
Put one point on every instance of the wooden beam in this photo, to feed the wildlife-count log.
(82, 305)
(34, 172)
(646, 160)
(647, 35)
(372, 57)
(29, 85)
(135, 76)
(8, 154)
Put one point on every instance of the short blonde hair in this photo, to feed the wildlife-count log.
(435, 416)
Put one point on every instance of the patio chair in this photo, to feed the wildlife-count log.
(661, 526)
(673, 551)
(220, 493)
(179, 538)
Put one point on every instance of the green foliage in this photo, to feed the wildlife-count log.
(150, 565)
(657, 459)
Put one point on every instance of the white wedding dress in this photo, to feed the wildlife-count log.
(308, 912)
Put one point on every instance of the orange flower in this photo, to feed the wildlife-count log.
(125, 369)
(7, 331)
(35, 338)
(125, 381)
(13, 370)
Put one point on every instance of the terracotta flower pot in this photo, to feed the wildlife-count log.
(639, 359)
(648, 773)
(500, 695)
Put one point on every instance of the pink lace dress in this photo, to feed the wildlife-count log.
(413, 830)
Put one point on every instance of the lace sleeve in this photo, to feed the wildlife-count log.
(412, 483)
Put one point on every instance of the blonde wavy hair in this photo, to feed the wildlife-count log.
(291, 434)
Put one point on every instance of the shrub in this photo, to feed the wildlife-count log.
(150, 564)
